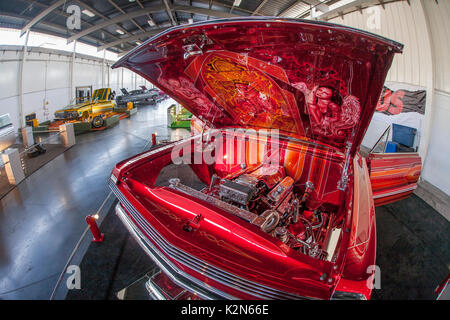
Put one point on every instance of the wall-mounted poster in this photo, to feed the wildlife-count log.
(401, 104)
(398, 101)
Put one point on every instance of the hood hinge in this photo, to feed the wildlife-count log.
(342, 183)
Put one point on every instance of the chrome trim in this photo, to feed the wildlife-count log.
(342, 295)
(157, 292)
(200, 266)
(176, 275)
(154, 291)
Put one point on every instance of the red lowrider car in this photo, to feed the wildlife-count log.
(273, 200)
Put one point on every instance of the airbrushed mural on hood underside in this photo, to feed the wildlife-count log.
(246, 88)
(317, 81)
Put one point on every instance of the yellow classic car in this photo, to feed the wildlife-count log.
(95, 110)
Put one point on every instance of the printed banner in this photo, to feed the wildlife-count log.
(401, 101)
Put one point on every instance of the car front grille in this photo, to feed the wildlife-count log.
(200, 266)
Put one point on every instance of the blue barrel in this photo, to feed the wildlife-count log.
(391, 147)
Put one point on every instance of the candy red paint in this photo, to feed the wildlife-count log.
(318, 84)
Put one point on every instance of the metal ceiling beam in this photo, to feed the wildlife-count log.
(169, 13)
(137, 13)
(318, 5)
(209, 7)
(205, 12)
(313, 3)
(50, 26)
(282, 13)
(224, 6)
(150, 33)
(46, 24)
(62, 13)
(346, 7)
(94, 11)
(123, 12)
(41, 16)
(28, 8)
(115, 20)
(132, 38)
(148, 15)
(259, 7)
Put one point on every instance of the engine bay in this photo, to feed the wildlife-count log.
(270, 199)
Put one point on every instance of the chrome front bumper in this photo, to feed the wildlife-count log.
(178, 276)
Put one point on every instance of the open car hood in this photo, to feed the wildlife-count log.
(309, 79)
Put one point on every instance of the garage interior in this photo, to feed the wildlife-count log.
(48, 62)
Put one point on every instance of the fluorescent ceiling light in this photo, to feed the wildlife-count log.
(151, 23)
(88, 13)
(236, 3)
(120, 31)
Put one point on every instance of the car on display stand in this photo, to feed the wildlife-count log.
(272, 198)
(94, 110)
(142, 95)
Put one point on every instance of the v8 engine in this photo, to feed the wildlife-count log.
(267, 197)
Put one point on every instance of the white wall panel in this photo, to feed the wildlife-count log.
(57, 75)
(8, 79)
(397, 22)
(11, 105)
(439, 23)
(87, 73)
(437, 168)
(34, 76)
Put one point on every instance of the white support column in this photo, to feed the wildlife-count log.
(20, 79)
(421, 19)
(103, 69)
(13, 166)
(72, 68)
(108, 69)
(121, 79)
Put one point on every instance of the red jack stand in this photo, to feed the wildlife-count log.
(154, 138)
(98, 236)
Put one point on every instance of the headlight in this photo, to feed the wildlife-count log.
(341, 295)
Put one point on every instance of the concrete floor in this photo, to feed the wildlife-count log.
(42, 219)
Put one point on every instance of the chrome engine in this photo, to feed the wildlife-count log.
(269, 200)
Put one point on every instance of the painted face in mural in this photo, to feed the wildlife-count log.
(323, 109)
(324, 93)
